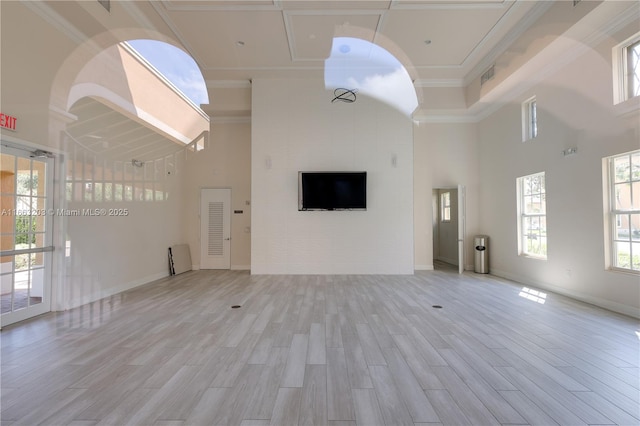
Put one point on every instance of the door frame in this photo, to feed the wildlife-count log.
(27, 150)
(461, 217)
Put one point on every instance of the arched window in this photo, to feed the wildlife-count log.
(364, 67)
(176, 66)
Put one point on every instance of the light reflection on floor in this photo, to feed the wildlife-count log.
(534, 295)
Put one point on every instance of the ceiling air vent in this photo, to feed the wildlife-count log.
(575, 2)
(488, 75)
(106, 4)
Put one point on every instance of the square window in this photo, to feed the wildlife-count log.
(532, 219)
(445, 207)
(624, 211)
(626, 69)
(529, 119)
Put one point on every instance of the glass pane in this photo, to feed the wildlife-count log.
(635, 166)
(633, 62)
(7, 172)
(24, 232)
(536, 204)
(6, 296)
(22, 262)
(69, 191)
(38, 240)
(117, 192)
(36, 286)
(534, 119)
(108, 192)
(623, 230)
(21, 287)
(621, 169)
(636, 196)
(634, 222)
(622, 255)
(97, 191)
(88, 191)
(39, 213)
(526, 186)
(526, 204)
(38, 179)
(542, 248)
(623, 196)
(23, 205)
(635, 261)
(24, 181)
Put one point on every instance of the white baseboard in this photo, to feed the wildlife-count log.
(447, 260)
(240, 267)
(101, 294)
(423, 267)
(602, 303)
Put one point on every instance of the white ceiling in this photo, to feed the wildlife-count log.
(289, 38)
(235, 41)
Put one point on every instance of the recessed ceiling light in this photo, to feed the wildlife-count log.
(240, 43)
(427, 42)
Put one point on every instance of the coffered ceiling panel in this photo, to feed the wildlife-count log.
(245, 39)
(201, 5)
(452, 34)
(311, 36)
(335, 4)
(234, 39)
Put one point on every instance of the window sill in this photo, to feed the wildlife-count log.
(623, 271)
(627, 108)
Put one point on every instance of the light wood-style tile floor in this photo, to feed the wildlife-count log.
(323, 350)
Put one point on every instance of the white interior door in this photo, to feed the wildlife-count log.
(215, 229)
(461, 226)
(26, 239)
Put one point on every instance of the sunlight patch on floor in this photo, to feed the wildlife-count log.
(534, 295)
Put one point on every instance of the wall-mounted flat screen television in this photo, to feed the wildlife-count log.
(332, 191)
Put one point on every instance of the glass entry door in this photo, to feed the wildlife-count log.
(26, 217)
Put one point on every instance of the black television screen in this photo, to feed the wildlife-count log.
(332, 190)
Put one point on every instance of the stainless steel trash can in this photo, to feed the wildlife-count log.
(481, 254)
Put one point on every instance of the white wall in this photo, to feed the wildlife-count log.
(446, 155)
(226, 163)
(574, 110)
(296, 127)
(107, 254)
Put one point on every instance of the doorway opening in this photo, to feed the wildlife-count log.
(26, 241)
(448, 222)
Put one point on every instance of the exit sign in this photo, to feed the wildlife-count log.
(8, 121)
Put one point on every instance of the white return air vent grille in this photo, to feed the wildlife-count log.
(488, 75)
(216, 228)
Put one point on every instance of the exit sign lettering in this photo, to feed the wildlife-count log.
(8, 122)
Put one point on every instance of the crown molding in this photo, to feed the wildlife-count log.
(531, 17)
(228, 84)
(443, 82)
(62, 24)
(230, 120)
